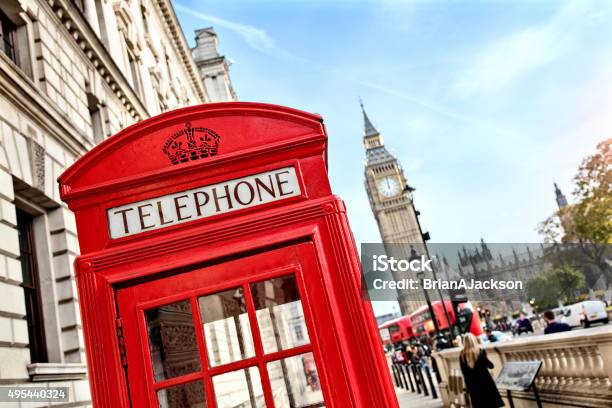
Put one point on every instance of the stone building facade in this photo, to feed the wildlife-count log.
(73, 73)
(510, 262)
(488, 262)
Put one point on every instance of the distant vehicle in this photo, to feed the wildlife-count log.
(558, 311)
(585, 313)
(501, 337)
(396, 331)
(422, 324)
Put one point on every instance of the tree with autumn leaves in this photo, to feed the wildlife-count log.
(588, 222)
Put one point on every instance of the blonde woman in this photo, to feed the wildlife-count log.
(475, 368)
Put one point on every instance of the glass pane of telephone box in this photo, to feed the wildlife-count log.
(241, 388)
(190, 395)
(295, 382)
(279, 314)
(172, 341)
(226, 327)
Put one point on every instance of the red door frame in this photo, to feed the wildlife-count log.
(134, 300)
(129, 167)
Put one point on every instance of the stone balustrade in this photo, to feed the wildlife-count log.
(576, 369)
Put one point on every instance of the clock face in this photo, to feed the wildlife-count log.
(389, 186)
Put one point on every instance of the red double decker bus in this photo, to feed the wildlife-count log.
(396, 331)
(422, 324)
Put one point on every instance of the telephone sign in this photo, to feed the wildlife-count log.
(217, 268)
(202, 202)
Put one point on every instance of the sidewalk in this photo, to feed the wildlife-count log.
(409, 399)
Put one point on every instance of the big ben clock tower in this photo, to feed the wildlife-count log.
(391, 203)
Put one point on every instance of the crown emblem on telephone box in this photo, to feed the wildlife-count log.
(191, 143)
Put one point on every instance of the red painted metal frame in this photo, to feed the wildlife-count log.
(162, 287)
(254, 137)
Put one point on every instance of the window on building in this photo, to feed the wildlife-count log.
(31, 288)
(8, 35)
(96, 123)
(14, 41)
(168, 70)
(163, 106)
(101, 22)
(143, 12)
(135, 72)
(95, 108)
(98, 117)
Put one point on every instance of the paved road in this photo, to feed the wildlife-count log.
(409, 399)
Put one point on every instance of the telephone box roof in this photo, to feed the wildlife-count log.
(186, 138)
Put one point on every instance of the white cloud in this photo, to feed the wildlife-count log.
(255, 37)
(516, 54)
(259, 39)
(439, 109)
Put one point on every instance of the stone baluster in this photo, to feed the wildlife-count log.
(571, 370)
(547, 371)
(534, 355)
(582, 367)
(589, 370)
(563, 369)
(555, 368)
(602, 374)
(574, 367)
(578, 366)
(537, 355)
(597, 369)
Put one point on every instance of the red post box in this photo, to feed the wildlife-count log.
(217, 267)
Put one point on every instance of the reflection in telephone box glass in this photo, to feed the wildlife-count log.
(226, 327)
(171, 334)
(240, 388)
(229, 338)
(297, 381)
(189, 395)
(279, 314)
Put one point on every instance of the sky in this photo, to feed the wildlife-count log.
(485, 103)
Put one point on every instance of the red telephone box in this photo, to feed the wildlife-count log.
(217, 268)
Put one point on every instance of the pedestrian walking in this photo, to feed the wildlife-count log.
(552, 326)
(475, 368)
(524, 325)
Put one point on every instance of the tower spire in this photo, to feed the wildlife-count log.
(560, 197)
(369, 129)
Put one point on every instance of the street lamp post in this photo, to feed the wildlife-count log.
(420, 275)
(426, 238)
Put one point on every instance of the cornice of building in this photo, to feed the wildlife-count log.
(180, 43)
(212, 61)
(83, 34)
